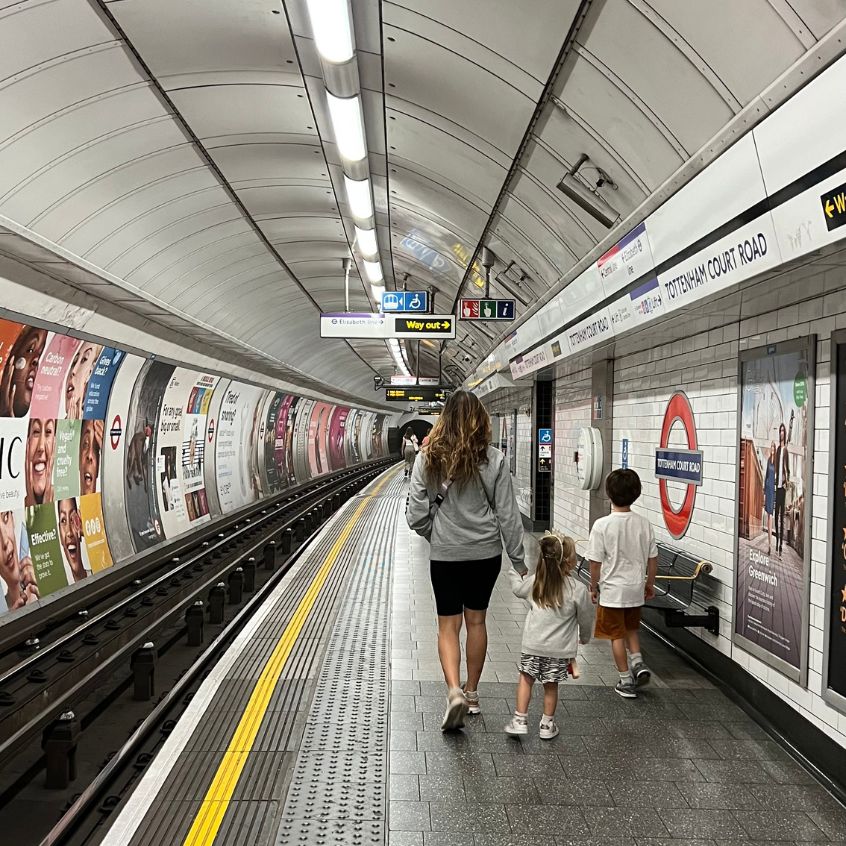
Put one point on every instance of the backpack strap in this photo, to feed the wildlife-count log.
(439, 497)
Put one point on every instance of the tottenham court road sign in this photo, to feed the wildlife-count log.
(383, 326)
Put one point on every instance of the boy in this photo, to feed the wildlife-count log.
(620, 550)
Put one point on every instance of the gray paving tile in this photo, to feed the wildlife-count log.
(787, 772)
(624, 822)
(464, 762)
(701, 824)
(469, 817)
(543, 819)
(567, 840)
(756, 750)
(673, 841)
(447, 838)
(583, 792)
(648, 794)
(724, 797)
(407, 721)
(624, 769)
(735, 772)
(514, 839)
(404, 787)
(442, 787)
(406, 762)
(500, 791)
(405, 838)
(403, 741)
(831, 819)
(792, 825)
(409, 816)
(402, 702)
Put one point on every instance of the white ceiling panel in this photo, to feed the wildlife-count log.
(272, 200)
(271, 162)
(295, 229)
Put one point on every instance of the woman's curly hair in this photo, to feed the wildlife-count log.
(458, 442)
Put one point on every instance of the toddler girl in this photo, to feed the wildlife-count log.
(560, 615)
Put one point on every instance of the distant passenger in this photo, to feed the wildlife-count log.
(461, 500)
(782, 478)
(623, 559)
(560, 617)
(769, 495)
(409, 449)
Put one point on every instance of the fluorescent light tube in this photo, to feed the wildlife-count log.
(366, 240)
(373, 270)
(348, 126)
(330, 23)
(377, 291)
(358, 197)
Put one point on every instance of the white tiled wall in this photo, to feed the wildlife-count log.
(505, 403)
(570, 504)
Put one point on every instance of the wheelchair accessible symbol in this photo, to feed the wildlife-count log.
(679, 465)
(544, 436)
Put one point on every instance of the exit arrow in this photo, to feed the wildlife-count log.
(829, 208)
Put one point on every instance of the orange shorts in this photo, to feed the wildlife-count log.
(614, 623)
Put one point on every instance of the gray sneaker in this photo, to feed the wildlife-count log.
(626, 690)
(642, 674)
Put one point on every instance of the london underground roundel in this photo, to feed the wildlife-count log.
(678, 465)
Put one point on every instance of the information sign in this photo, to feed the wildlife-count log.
(428, 326)
(487, 309)
(834, 207)
(405, 301)
(415, 394)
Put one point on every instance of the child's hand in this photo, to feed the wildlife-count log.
(594, 595)
(649, 592)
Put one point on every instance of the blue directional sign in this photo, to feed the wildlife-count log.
(544, 436)
(405, 301)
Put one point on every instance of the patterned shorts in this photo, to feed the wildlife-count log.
(544, 670)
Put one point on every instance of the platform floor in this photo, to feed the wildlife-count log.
(348, 747)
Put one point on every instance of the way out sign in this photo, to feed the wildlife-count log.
(834, 207)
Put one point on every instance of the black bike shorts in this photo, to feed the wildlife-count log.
(464, 584)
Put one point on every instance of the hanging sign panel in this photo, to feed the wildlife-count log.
(426, 326)
(407, 301)
(627, 260)
(774, 503)
(479, 309)
(414, 394)
(384, 326)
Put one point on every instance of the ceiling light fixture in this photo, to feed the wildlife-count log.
(366, 240)
(585, 196)
(330, 24)
(348, 126)
(358, 197)
(373, 269)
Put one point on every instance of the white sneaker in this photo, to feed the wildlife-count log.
(456, 710)
(517, 726)
(473, 707)
(548, 731)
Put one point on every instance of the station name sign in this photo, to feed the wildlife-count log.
(416, 394)
(384, 326)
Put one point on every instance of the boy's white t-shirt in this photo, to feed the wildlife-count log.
(622, 542)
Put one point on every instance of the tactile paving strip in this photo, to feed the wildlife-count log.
(338, 791)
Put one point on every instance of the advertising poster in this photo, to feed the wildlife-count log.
(99, 386)
(834, 679)
(304, 408)
(17, 573)
(51, 391)
(210, 458)
(85, 361)
(72, 539)
(66, 463)
(313, 424)
(112, 456)
(168, 481)
(94, 532)
(194, 440)
(273, 480)
(13, 443)
(45, 549)
(775, 451)
(337, 424)
(23, 347)
(290, 425)
(280, 448)
(237, 420)
(140, 478)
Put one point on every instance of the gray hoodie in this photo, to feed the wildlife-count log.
(473, 521)
(555, 632)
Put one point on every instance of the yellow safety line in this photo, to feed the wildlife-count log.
(213, 808)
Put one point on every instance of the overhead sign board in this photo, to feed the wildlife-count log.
(627, 260)
(415, 394)
(834, 207)
(414, 380)
(405, 301)
(425, 326)
(478, 309)
(384, 326)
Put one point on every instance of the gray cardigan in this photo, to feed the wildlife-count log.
(555, 632)
(474, 520)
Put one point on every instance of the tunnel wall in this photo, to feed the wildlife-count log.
(107, 454)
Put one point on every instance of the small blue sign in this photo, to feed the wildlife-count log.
(405, 301)
(505, 309)
(625, 458)
(679, 465)
(544, 436)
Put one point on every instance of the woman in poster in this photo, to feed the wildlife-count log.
(16, 569)
(40, 452)
(82, 366)
(70, 536)
(18, 377)
(90, 449)
(769, 495)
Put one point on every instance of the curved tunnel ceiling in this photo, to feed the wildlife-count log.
(183, 146)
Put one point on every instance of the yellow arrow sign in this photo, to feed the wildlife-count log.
(834, 207)
(829, 208)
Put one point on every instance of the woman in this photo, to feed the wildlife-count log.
(409, 450)
(20, 371)
(81, 368)
(40, 452)
(16, 570)
(769, 495)
(461, 500)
